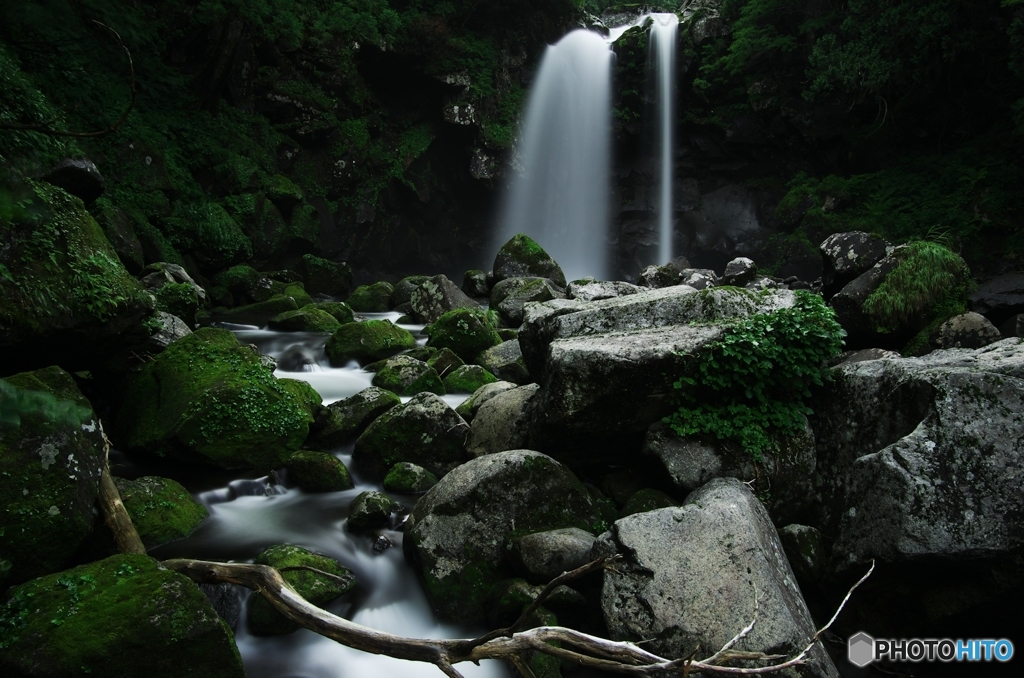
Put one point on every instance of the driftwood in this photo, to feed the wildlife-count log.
(510, 643)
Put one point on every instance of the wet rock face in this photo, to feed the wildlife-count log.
(1000, 298)
(51, 452)
(845, 256)
(457, 535)
(690, 575)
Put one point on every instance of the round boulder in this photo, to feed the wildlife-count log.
(522, 256)
(458, 533)
(368, 341)
(407, 376)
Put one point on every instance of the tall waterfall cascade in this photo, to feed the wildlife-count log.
(560, 196)
(664, 28)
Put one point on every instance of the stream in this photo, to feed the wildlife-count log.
(248, 514)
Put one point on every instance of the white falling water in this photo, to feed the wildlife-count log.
(560, 199)
(663, 61)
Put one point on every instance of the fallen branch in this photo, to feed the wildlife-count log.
(580, 648)
(507, 644)
(45, 128)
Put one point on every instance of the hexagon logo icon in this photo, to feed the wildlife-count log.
(860, 649)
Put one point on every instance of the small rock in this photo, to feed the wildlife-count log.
(78, 176)
(407, 376)
(406, 478)
(522, 256)
(468, 409)
(318, 472)
(349, 417)
(467, 379)
(505, 361)
(370, 511)
(739, 272)
(545, 555)
(502, 422)
(970, 330)
(474, 283)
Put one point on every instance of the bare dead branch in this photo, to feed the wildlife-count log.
(45, 127)
(115, 515)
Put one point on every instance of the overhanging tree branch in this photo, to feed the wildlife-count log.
(45, 128)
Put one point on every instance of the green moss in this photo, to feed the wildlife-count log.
(318, 472)
(467, 332)
(467, 379)
(317, 589)
(304, 225)
(58, 271)
(150, 617)
(928, 281)
(50, 454)
(444, 361)
(371, 510)
(208, 232)
(281, 189)
(339, 310)
(523, 256)
(160, 508)
(240, 279)
(298, 292)
(407, 478)
(325, 276)
(307, 319)
(407, 376)
(367, 342)
(206, 397)
(178, 299)
(272, 307)
(375, 298)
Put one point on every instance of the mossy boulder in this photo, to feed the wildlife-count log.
(467, 379)
(407, 478)
(117, 226)
(424, 431)
(161, 509)
(239, 280)
(178, 299)
(505, 361)
(458, 534)
(298, 292)
(306, 319)
(283, 192)
(474, 283)
(51, 451)
(209, 234)
(264, 620)
(122, 616)
(349, 417)
(368, 342)
(65, 298)
(405, 287)
(318, 472)
(407, 376)
(338, 309)
(272, 307)
(207, 398)
(466, 331)
(325, 277)
(444, 361)
(375, 298)
(468, 409)
(371, 511)
(522, 256)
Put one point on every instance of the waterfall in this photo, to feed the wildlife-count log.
(560, 196)
(663, 62)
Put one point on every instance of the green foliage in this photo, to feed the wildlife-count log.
(207, 230)
(929, 280)
(179, 299)
(756, 381)
(971, 194)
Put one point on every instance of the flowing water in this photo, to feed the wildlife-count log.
(663, 61)
(249, 514)
(560, 196)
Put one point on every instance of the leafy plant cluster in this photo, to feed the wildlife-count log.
(755, 382)
(969, 197)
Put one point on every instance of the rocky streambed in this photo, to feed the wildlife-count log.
(477, 441)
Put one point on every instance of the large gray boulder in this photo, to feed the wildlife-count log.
(512, 304)
(424, 431)
(594, 290)
(501, 423)
(690, 576)
(347, 418)
(458, 534)
(922, 457)
(505, 361)
(968, 330)
(603, 366)
(468, 409)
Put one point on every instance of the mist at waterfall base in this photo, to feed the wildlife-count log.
(662, 62)
(560, 189)
(248, 514)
